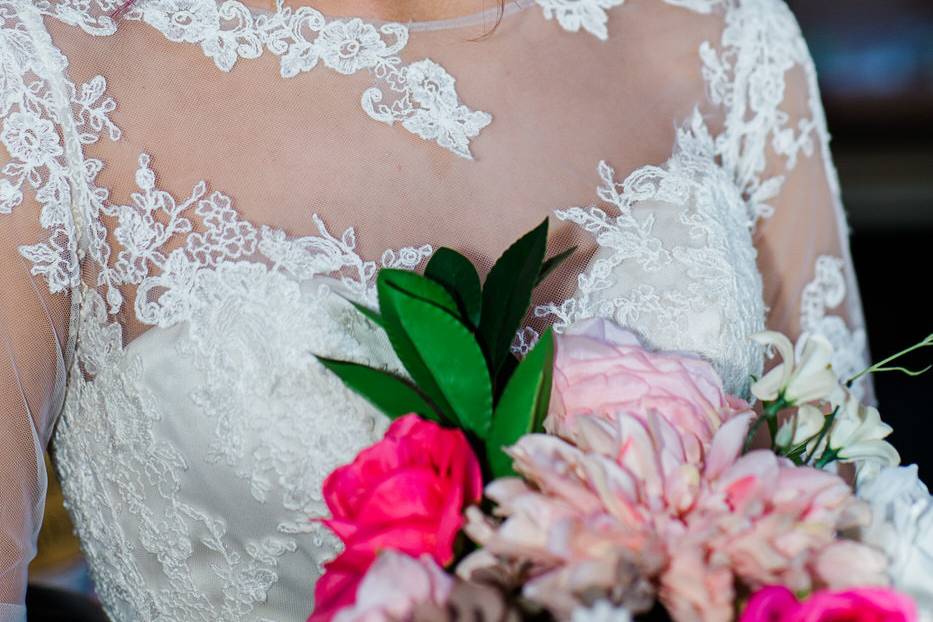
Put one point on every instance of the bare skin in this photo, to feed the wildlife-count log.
(391, 10)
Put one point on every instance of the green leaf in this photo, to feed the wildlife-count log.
(457, 274)
(417, 286)
(548, 267)
(507, 293)
(523, 405)
(394, 286)
(371, 314)
(391, 394)
(505, 372)
(453, 357)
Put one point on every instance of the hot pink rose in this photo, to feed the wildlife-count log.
(778, 604)
(601, 369)
(405, 493)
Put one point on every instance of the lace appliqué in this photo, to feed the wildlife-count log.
(572, 15)
(420, 96)
(760, 43)
(139, 475)
(825, 292)
(164, 281)
(35, 100)
(676, 262)
(255, 305)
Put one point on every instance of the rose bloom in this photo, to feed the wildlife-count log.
(601, 369)
(406, 493)
(778, 604)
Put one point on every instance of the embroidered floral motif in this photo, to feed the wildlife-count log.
(437, 116)
(156, 217)
(573, 15)
(127, 502)
(183, 20)
(32, 140)
(692, 285)
(304, 37)
(825, 292)
(347, 47)
(32, 100)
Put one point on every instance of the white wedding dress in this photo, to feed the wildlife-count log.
(191, 193)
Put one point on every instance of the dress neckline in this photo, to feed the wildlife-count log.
(487, 16)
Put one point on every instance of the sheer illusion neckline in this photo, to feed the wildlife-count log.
(487, 16)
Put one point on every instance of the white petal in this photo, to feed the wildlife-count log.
(772, 383)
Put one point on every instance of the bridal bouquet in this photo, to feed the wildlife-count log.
(598, 481)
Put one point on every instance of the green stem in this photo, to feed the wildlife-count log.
(828, 456)
(768, 416)
(827, 425)
(883, 365)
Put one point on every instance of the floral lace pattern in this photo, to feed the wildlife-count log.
(422, 96)
(690, 284)
(245, 305)
(127, 499)
(825, 292)
(32, 107)
(572, 15)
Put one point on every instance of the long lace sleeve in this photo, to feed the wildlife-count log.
(32, 377)
(776, 144)
(38, 269)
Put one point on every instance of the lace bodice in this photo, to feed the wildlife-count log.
(190, 194)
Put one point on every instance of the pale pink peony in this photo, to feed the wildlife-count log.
(601, 369)
(778, 604)
(394, 586)
(620, 507)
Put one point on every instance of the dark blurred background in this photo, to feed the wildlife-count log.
(875, 62)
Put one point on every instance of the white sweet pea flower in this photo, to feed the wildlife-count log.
(805, 373)
(804, 425)
(857, 436)
(902, 526)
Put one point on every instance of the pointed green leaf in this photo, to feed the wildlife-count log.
(453, 357)
(457, 274)
(507, 293)
(553, 262)
(523, 405)
(391, 394)
(418, 286)
(394, 286)
(506, 369)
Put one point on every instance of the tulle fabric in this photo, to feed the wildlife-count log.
(284, 149)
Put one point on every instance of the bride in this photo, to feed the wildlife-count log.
(191, 191)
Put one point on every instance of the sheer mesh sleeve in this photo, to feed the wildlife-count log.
(776, 145)
(809, 278)
(35, 252)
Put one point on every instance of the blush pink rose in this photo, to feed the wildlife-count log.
(603, 370)
(778, 604)
(405, 493)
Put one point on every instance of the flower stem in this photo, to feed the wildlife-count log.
(769, 416)
(827, 425)
(883, 365)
